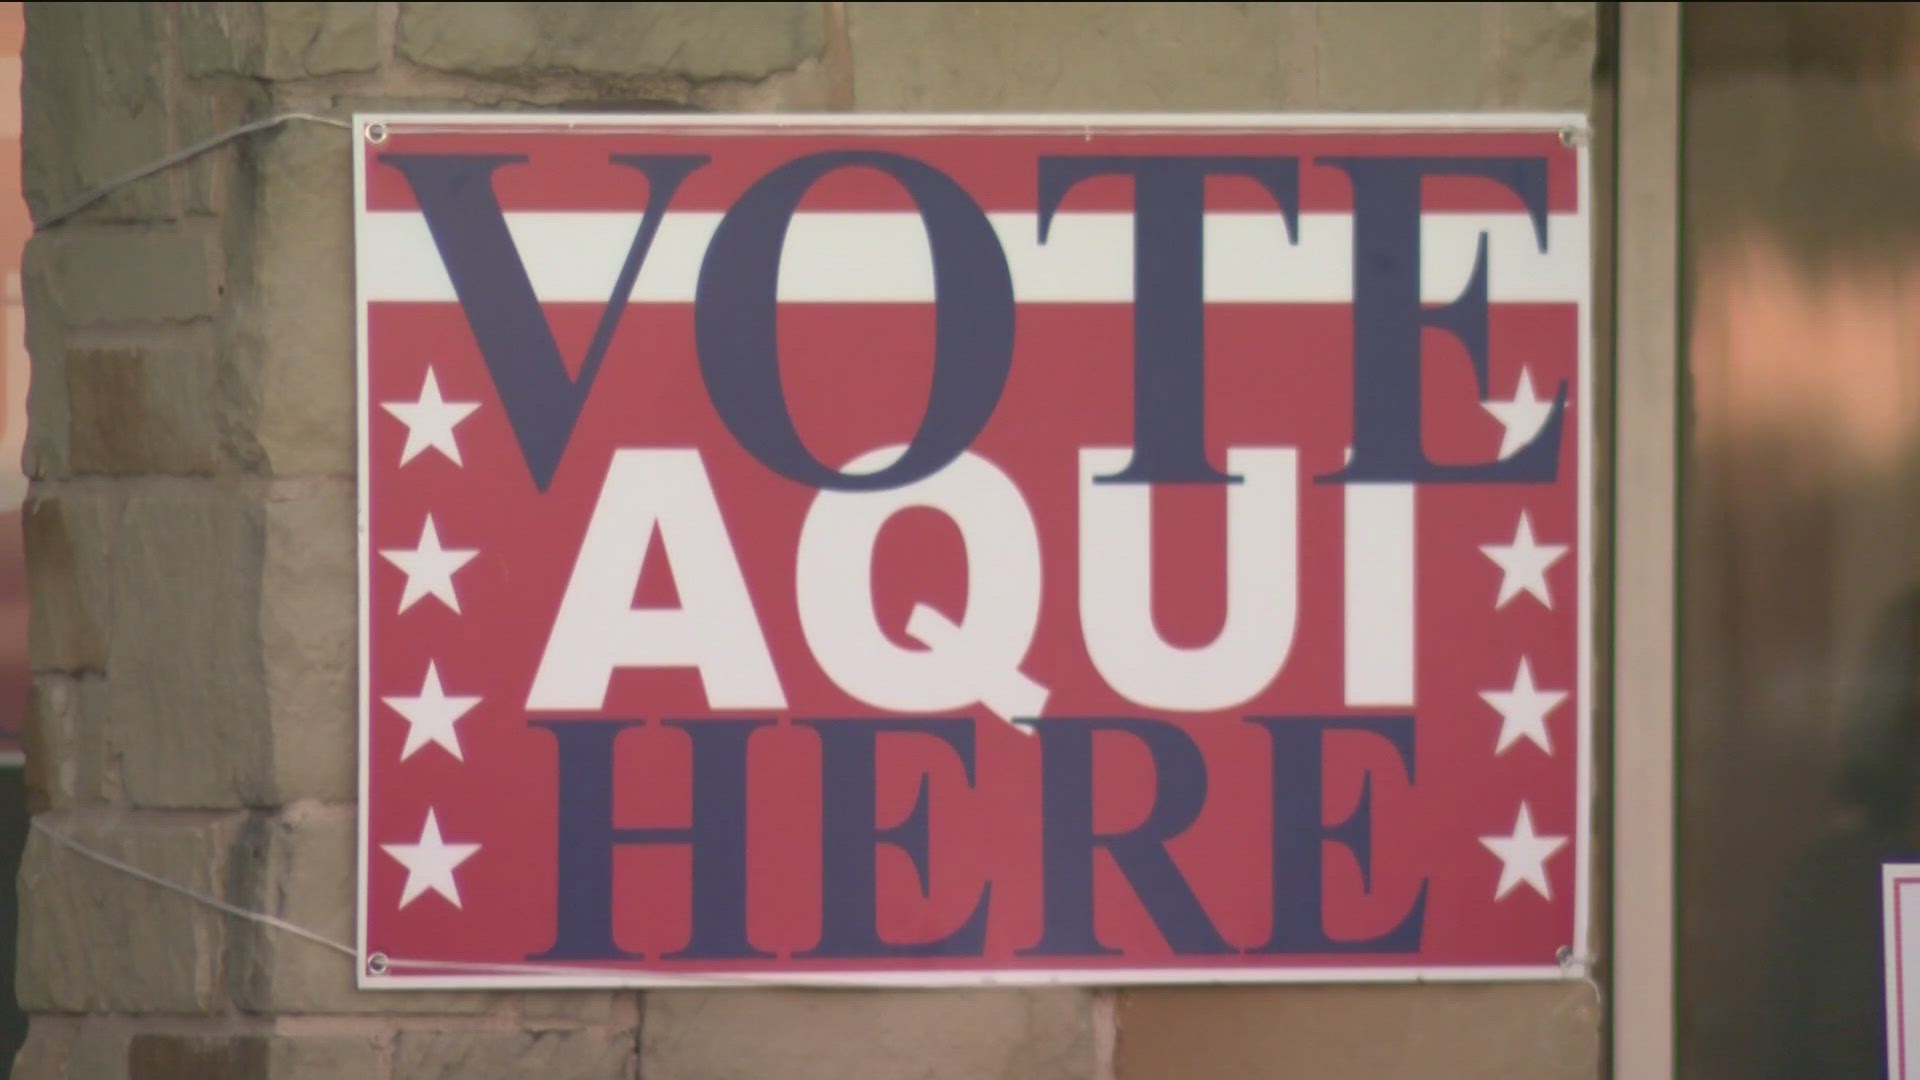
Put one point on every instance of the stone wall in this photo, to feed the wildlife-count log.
(190, 530)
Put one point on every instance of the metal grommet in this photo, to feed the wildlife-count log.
(1575, 136)
(377, 964)
(1564, 954)
(376, 134)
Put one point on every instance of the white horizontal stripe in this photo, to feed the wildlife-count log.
(1088, 258)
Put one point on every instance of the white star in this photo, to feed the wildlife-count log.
(1523, 856)
(429, 568)
(430, 717)
(1523, 710)
(430, 863)
(1524, 563)
(1521, 417)
(430, 421)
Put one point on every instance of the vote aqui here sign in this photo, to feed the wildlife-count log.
(926, 550)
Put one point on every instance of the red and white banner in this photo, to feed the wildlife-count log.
(979, 550)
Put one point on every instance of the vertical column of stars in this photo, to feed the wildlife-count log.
(1523, 707)
(431, 714)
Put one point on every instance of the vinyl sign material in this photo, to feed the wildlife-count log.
(910, 550)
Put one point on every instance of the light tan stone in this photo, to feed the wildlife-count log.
(280, 40)
(1460, 1031)
(700, 41)
(96, 103)
(1404, 57)
(69, 543)
(291, 334)
(186, 683)
(512, 1055)
(309, 631)
(830, 1035)
(96, 939)
(1098, 57)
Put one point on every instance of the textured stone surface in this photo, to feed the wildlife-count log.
(139, 410)
(831, 1035)
(1090, 56)
(293, 300)
(1407, 57)
(95, 104)
(69, 544)
(93, 938)
(186, 685)
(1461, 1032)
(45, 452)
(252, 1057)
(70, 760)
(701, 41)
(302, 866)
(514, 1055)
(289, 41)
(309, 632)
(127, 276)
(1543, 56)
(49, 1043)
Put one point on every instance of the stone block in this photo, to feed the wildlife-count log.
(94, 105)
(96, 939)
(1405, 57)
(513, 1055)
(70, 759)
(303, 871)
(49, 1043)
(542, 1008)
(186, 686)
(309, 635)
(141, 410)
(293, 304)
(1090, 56)
(699, 41)
(45, 453)
(1542, 57)
(111, 277)
(252, 1057)
(1462, 1032)
(830, 1035)
(69, 544)
(280, 40)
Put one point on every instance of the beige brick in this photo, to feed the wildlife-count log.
(292, 41)
(513, 1055)
(309, 629)
(95, 104)
(303, 871)
(186, 684)
(132, 275)
(830, 1035)
(45, 453)
(1543, 57)
(1406, 57)
(139, 410)
(542, 1008)
(253, 1057)
(49, 1044)
(700, 41)
(93, 938)
(1088, 56)
(70, 760)
(69, 543)
(1461, 1032)
(293, 324)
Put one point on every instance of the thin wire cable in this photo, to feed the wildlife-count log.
(94, 195)
(220, 905)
